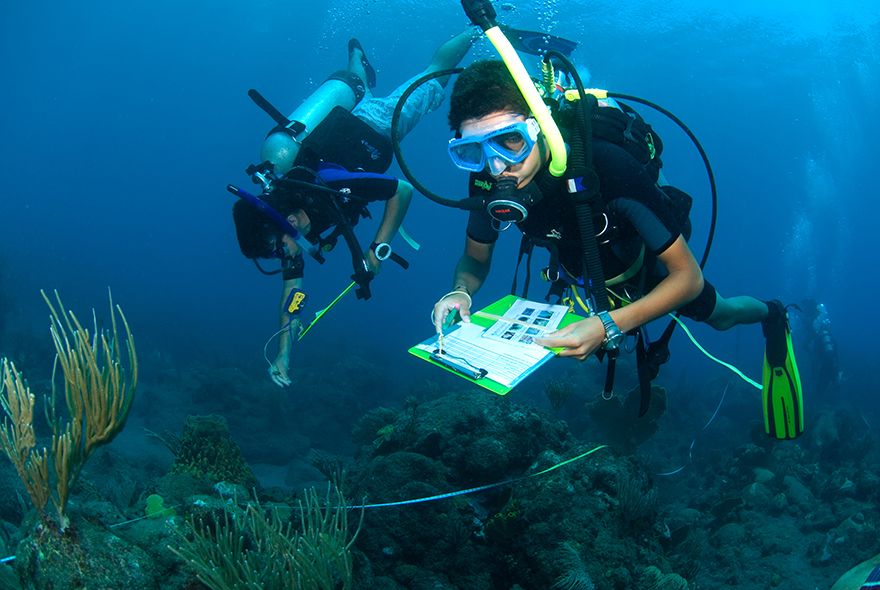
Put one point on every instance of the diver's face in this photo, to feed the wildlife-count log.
(300, 221)
(524, 171)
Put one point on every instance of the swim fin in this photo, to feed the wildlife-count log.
(536, 43)
(781, 395)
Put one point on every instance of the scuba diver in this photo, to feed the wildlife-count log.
(612, 227)
(821, 346)
(321, 167)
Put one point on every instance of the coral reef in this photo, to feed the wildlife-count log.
(206, 450)
(742, 512)
(93, 558)
(536, 533)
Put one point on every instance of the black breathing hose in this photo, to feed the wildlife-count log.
(467, 203)
(706, 163)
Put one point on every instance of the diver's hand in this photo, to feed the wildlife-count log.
(278, 370)
(580, 339)
(454, 301)
(373, 263)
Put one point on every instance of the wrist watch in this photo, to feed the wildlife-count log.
(613, 335)
(382, 250)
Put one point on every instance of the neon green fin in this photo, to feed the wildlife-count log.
(781, 396)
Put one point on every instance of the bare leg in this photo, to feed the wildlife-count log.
(450, 53)
(732, 311)
(356, 67)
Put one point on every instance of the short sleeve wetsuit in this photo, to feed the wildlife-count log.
(637, 218)
(363, 186)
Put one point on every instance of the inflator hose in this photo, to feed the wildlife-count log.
(714, 189)
(581, 171)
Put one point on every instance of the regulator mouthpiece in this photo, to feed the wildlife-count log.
(505, 204)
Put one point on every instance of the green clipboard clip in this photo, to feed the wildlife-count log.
(458, 365)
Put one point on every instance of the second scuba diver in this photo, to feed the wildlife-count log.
(821, 347)
(321, 167)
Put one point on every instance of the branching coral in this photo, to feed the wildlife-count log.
(251, 549)
(98, 391)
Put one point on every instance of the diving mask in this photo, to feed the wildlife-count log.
(511, 144)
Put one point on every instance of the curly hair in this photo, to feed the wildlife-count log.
(484, 87)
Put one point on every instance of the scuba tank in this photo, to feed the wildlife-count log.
(282, 145)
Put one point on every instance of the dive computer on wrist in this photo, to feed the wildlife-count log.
(613, 335)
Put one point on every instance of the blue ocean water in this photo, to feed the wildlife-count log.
(123, 122)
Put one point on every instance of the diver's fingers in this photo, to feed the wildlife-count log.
(279, 379)
(580, 352)
(445, 310)
(556, 337)
(438, 315)
(568, 339)
(464, 310)
(559, 341)
(570, 345)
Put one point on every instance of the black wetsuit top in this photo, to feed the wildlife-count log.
(635, 213)
(363, 186)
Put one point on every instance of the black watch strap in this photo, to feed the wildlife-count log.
(384, 248)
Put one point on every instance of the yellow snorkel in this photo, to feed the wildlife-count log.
(482, 15)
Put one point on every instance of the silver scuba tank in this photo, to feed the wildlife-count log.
(283, 143)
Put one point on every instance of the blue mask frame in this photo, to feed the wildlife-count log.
(512, 144)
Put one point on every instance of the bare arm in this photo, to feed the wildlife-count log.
(470, 273)
(395, 210)
(279, 370)
(683, 283)
(473, 266)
